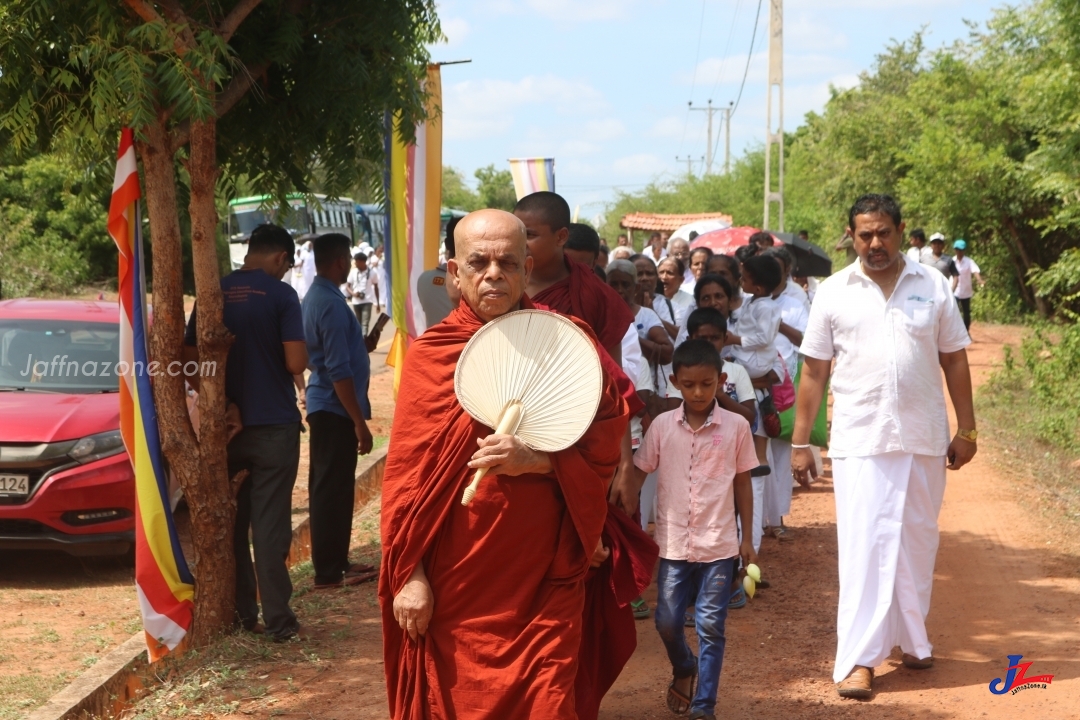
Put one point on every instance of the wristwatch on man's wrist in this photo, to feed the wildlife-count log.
(969, 435)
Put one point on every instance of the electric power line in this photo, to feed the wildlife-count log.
(749, 55)
(693, 78)
(727, 49)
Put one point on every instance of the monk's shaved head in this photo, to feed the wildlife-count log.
(491, 265)
(487, 224)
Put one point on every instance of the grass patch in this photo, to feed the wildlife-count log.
(19, 694)
(250, 674)
(1032, 408)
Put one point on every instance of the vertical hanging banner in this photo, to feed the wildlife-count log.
(532, 175)
(414, 197)
(162, 579)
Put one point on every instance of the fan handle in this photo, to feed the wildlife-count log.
(508, 425)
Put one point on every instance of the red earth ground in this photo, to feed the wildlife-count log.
(1005, 584)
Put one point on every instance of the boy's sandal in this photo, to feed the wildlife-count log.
(738, 599)
(640, 608)
(676, 701)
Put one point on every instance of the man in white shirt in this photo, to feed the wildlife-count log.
(893, 328)
(360, 289)
(961, 283)
(304, 272)
(655, 250)
(437, 297)
(919, 250)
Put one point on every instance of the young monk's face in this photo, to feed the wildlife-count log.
(545, 243)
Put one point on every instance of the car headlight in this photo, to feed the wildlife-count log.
(95, 447)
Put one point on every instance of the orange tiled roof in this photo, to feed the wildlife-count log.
(654, 221)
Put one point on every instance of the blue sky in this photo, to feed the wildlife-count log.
(603, 85)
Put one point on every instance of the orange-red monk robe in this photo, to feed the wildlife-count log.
(610, 633)
(507, 572)
(585, 296)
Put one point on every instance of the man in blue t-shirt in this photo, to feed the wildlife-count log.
(337, 412)
(263, 314)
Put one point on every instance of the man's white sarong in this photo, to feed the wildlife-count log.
(886, 520)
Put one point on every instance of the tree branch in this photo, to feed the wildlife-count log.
(144, 10)
(235, 17)
(227, 98)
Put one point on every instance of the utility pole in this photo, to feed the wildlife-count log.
(727, 138)
(689, 160)
(709, 149)
(776, 80)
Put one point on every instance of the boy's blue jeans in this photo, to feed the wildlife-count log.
(677, 581)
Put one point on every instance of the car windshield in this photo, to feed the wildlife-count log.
(68, 356)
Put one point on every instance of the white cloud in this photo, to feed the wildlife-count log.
(603, 130)
(484, 108)
(639, 165)
(668, 127)
(455, 30)
(803, 33)
(580, 10)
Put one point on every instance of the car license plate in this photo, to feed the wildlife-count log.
(14, 485)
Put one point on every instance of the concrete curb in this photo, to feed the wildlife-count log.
(120, 677)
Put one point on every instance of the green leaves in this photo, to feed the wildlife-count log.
(301, 89)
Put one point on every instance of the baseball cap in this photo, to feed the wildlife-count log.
(959, 245)
(937, 237)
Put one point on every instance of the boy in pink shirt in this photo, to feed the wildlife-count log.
(704, 478)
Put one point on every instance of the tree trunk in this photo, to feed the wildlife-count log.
(202, 474)
(1018, 242)
(211, 498)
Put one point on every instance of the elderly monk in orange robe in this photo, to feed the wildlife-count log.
(482, 604)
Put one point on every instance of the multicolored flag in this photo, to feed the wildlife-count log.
(414, 196)
(532, 175)
(162, 578)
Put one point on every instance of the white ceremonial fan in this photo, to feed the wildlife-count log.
(533, 374)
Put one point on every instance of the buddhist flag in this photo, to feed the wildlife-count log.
(532, 175)
(415, 203)
(162, 579)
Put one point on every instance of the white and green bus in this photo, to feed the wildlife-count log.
(308, 215)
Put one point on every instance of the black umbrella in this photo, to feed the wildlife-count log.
(810, 260)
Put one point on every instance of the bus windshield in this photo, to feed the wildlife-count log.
(244, 219)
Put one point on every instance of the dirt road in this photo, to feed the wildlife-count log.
(1006, 584)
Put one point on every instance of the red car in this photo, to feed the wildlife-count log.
(65, 479)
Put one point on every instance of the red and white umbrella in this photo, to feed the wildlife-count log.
(725, 241)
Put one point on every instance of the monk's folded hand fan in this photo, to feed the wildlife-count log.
(532, 374)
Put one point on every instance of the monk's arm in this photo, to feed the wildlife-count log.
(744, 506)
(958, 379)
(414, 605)
(815, 377)
(507, 455)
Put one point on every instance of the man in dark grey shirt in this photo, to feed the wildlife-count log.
(944, 263)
